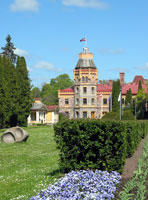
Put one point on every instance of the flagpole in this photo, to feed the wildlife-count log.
(120, 103)
(101, 107)
(111, 103)
(85, 42)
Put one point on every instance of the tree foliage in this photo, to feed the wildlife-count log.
(115, 95)
(128, 100)
(14, 94)
(8, 50)
(35, 92)
(140, 100)
(23, 94)
(49, 92)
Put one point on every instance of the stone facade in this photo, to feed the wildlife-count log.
(83, 100)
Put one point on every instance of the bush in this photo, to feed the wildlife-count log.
(95, 144)
(91, 143)
(128, 115)
(111, 116)
(62, 116)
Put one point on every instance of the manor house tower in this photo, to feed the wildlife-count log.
(84, 100)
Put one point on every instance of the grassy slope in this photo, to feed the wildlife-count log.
(26, 168)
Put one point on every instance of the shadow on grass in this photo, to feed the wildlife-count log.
(57, 172)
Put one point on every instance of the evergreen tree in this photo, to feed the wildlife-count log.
(140, 85)
(128, 100)
(140, 99)
(2, 95)
(115, 95)
(8, 50)
(7, 91)
(24, 100)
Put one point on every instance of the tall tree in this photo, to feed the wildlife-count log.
(2, 94)
(140, 85)
(128, 100)
(35, 92)
(23, 95)
(8, 90)
(115, 95)
(8, 50)
(140, 99)
(49, 91)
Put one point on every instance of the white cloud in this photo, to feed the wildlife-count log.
(21, 52)
(47, 66)
(25, 5)
(145, 67)
(86, 3)
(105, 51)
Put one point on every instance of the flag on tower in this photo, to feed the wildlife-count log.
(83, 39)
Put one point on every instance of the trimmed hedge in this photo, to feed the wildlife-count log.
(96, 144)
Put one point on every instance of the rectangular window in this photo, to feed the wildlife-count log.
(93, 90)
(84, 90)
(77, 90)
(84, 114)
(77, 114)
(92, 101)
(66, 101)
(123, 102)
(77, 101)
(104, 101)
(84, 100)
(33, 116)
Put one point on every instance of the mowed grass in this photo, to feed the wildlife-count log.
(28, 167)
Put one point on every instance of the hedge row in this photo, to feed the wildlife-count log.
(95, 144)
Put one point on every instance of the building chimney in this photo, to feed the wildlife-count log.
(111, 82)
(122, 76)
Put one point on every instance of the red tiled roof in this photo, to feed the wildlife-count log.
(104, 88)
(38, 98)
(137, 79)
(52, 107)
(134, 88)
(70, 89)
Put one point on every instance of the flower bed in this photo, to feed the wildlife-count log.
(83, 184)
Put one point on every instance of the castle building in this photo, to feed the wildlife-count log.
(87, 98)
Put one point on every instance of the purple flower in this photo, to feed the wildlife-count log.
(83, 184)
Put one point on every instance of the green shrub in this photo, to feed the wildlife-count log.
(91, 143)
(111, 116)
(62, 116)
(128, 115)
(97, 144)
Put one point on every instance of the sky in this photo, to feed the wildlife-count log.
(48, 33)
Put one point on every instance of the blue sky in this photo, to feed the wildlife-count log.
(48, 32)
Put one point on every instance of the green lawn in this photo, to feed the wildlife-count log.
(26, 168)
